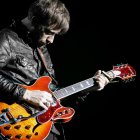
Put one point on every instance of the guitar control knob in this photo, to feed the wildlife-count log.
(29, 136)
(18, 136)
(17, 126)
(7, 127)
(27, 127)
(59, 114)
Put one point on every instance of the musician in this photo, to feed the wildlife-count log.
(21, 61)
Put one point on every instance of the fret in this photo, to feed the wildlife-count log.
(64, 92)
(73, 89)
(87, 82)
(81, 85)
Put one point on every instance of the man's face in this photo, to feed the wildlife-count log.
(47, 37)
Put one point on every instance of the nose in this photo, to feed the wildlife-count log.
(50, 39)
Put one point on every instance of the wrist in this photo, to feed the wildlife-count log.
(26, 95)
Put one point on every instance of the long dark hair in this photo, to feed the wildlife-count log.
(50, 14)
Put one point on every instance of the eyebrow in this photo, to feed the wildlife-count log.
(55, 32)
(51, 32)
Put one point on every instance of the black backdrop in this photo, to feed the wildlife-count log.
(101, 35)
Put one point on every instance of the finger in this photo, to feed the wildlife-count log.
(100, 87)
(104, 81)
(41, 104)
(47, 104)
(102, 78)
(97, 73)
(47, 94)
(49, 99)
(100, 84)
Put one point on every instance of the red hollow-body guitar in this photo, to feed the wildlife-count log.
(17, 123)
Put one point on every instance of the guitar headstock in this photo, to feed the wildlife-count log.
(124, 71)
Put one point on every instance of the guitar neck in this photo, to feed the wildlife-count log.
(75, 88)
(123, 72)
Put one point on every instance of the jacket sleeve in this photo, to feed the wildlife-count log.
(8, 90)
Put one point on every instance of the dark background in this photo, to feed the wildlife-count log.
(101, 35)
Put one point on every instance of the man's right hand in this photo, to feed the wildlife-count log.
(38, 98)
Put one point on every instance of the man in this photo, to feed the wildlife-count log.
(24, 56)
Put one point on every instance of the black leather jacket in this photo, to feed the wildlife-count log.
(19, 64)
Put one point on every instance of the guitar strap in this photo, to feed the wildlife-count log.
(45, 64)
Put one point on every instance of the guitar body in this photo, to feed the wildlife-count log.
(34, 128)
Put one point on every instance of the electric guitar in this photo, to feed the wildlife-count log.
(17, 123)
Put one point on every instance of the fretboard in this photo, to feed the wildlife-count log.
(75, 88)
